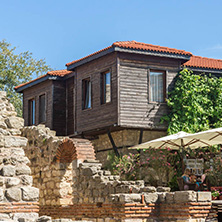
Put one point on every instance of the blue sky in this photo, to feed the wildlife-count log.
(62, 31)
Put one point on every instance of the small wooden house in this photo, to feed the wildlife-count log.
(115, 96)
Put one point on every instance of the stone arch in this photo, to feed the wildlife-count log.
(72, 149)
(66, 151)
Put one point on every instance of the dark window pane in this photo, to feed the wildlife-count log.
(106, 88)
(86, 94)
(42, 110)
(31, 112)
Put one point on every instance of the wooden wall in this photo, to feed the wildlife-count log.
(59, 107)
(70, 98)
(33, 93)
(134, 107)
(99, 115)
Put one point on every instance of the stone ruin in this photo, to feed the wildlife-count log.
(71, 184)
(18, 198)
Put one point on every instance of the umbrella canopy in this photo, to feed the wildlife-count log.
(185, 140)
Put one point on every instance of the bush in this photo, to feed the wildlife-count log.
(126, 166)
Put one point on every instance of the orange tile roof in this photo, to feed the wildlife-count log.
(60, 73)
(203, 62)
(138, 46)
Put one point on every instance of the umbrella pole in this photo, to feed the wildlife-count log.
(182, 155)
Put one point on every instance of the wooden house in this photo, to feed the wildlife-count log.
(115, 96)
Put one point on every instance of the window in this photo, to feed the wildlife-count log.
(157, 86)
(42, 114)
(105, 87)
(86, 94)
(31, 112)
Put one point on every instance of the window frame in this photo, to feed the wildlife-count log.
(40, 121)
(103, 87)
(164, 72)
(84, 93)
(31, 117)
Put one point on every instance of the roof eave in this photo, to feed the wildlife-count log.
(202, 69)
(89, 59)
(120, 49)
(48, 77)
(153, 53)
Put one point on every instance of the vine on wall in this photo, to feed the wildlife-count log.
(195, 103)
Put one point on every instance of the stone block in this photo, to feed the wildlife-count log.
(149, 189)
(89, 171)
(139, 183)
(204, 196)
(44, 219)
(13, 194)
(2, 181)
(161, 197)
(185, 196)
(2, 140)
(22, 169)
(8, 171)
(2, 124)
(30, 193)
(17, 152)
(4, 216)
(14, 122)
(29, 217)
(150, 197)
(15, 141)
(12, 181)
(4, 132)
(130, 198)
(163, 189)
(1, 195)
(133, 220)
(15, 132)
(26, 180)
(170, 197)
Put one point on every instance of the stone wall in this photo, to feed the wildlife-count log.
(124, 139)
(74, 186)
(18, 198)
(51, 163)
(100, 196)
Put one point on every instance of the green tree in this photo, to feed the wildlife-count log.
(195, 103)
(16, 69)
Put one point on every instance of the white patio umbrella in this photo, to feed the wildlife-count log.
(184, 140)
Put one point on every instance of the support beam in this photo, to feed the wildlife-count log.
(141, 136)
(113, 143)
(140, 139)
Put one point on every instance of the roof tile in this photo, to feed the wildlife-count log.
(60, 73)
(203, 62)
(138, 46)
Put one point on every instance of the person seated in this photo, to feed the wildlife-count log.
(205, 181)
(193, 178)
(186, 178)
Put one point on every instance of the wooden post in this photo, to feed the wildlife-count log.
(113, 143)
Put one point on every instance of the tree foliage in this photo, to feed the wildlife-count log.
(16, 69)
(195, 103)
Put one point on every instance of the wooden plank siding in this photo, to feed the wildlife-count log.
(135, 109)
(70, 106)
(99, 115)
(33, 93)
(59, 107)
